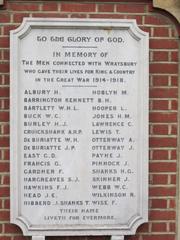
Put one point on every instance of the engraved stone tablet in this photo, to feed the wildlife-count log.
(79, 127)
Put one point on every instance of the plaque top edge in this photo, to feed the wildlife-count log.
(79, 23)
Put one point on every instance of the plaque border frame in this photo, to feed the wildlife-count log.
(15, 37)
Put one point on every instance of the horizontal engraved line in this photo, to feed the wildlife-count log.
(79, 85)
(79, 47)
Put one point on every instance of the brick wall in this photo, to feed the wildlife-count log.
(163, 104)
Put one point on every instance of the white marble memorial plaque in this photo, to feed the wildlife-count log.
(79, 127)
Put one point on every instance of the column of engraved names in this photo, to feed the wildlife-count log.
(112, 140)
(46, 136)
